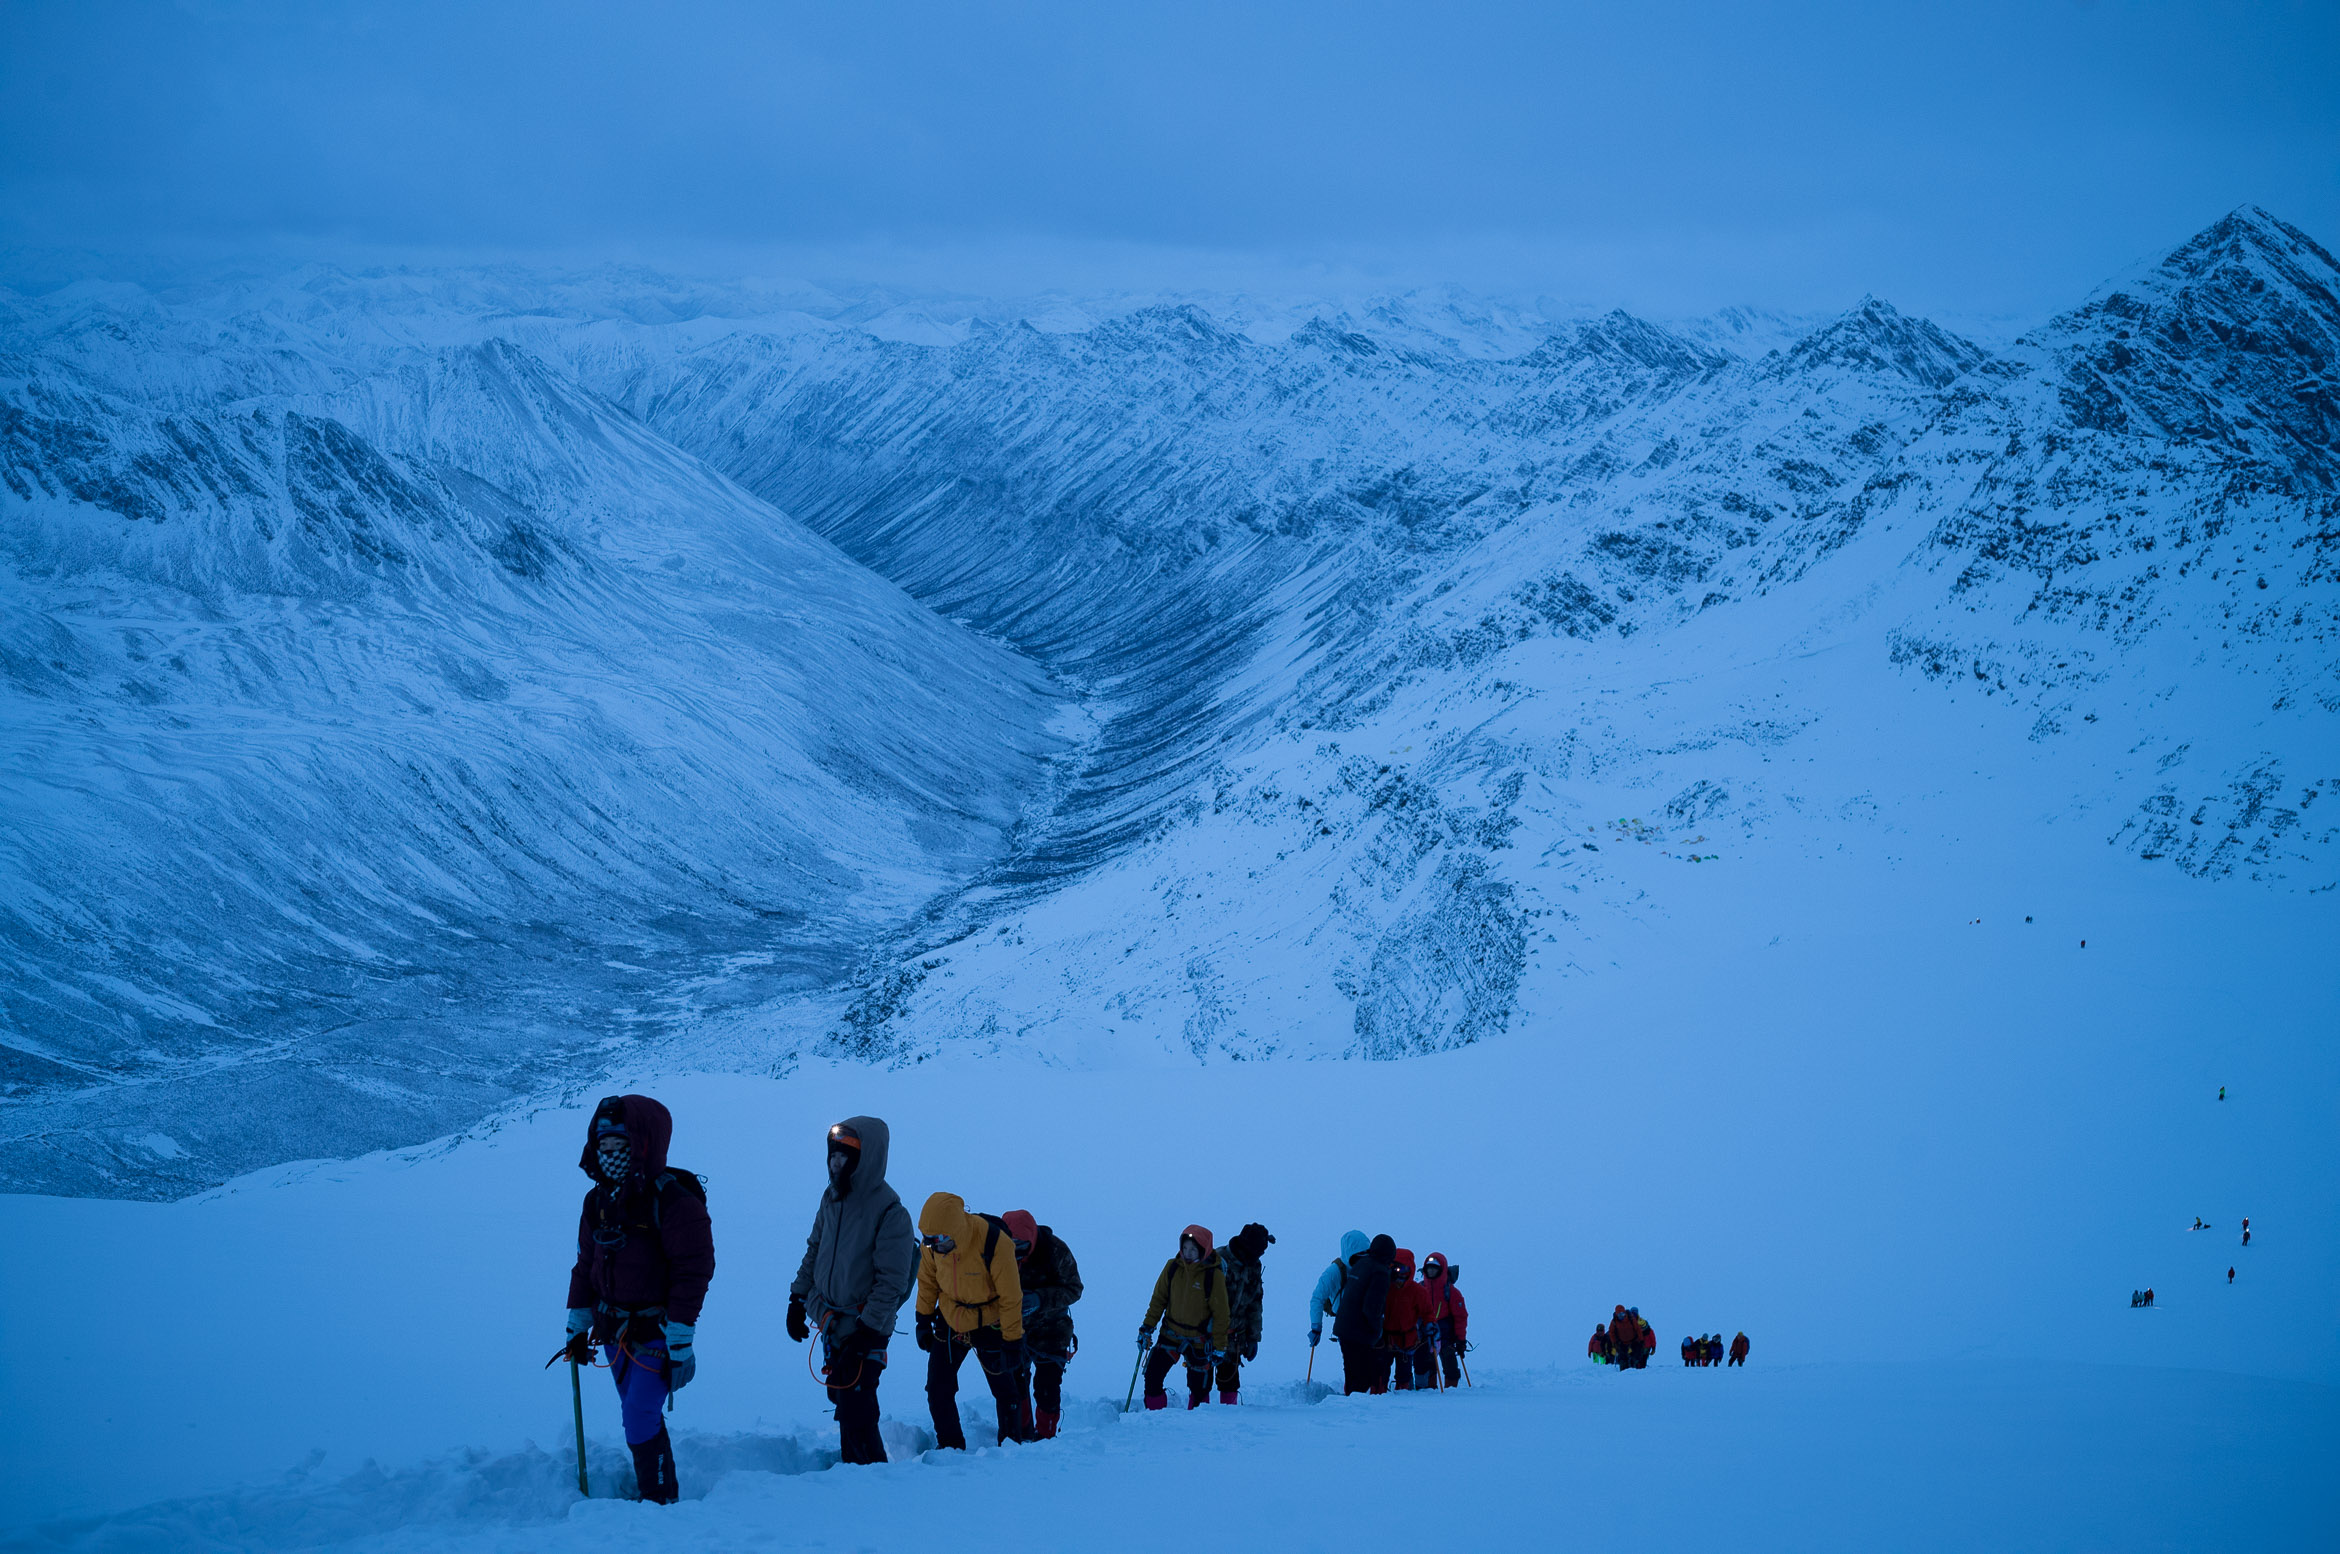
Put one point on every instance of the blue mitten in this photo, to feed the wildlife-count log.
(681, 1363)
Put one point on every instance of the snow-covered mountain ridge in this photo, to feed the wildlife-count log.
(1390, 628)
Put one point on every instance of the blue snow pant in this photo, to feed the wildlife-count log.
(641, 1388)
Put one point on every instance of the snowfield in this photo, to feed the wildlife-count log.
(1920, 1160)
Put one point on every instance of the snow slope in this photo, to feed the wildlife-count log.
(390, 735)
(1920, 1160)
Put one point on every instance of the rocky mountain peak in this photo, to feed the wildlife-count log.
(1877, 337)
(2231, 337)
(1620, 337)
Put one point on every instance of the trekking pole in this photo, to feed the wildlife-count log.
(577, 1400)
(1311, 1376)
(1133, 1376)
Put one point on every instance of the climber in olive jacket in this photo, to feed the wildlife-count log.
(1190, 1301)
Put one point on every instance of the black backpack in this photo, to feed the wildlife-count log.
(689, 1181)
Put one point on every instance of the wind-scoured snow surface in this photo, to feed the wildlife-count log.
(421, 686)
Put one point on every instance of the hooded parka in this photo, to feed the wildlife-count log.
(644, 1245)
(1325, 1299)
(1441, 1301)
(860, 1257)
(1052, 1282)
(968, 1290)
(1401, 1323)
(1190, 1301)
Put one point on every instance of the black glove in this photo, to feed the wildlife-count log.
(1315, 1336)
(926, 1335)
(1251, 1350)
(1013, 1352)
(577, 1351)
(861, 1338)
(797, 1327)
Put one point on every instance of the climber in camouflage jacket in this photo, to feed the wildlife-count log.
(1239, 1262)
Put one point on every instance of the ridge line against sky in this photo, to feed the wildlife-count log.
(1988, 159)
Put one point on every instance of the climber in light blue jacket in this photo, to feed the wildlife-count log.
(1325, 1299)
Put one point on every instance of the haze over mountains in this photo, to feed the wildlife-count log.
(422, 690)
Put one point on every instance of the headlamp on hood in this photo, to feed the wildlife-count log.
(844, 1148)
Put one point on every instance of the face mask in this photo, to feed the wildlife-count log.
(841, 1171)
(616, 1157)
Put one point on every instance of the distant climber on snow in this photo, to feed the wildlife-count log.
(1631, 1340)
(645, 1255)
(1739, 1350)
(1599, 1348)
(2246, 1230)
(1190, 1301)
(970, 1300)
(860, 1261)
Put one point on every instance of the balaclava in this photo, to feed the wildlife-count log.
(613, 1152)
(844, 1155)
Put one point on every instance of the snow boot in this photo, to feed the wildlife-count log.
(1044, 1428)
(1155, 1400)
(654, 1469)
(1227, 1397)
(1195, 1400)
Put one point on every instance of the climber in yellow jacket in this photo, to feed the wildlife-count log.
(1190, 1301)
(970, 1298)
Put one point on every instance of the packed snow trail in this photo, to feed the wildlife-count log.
(1857, 1457)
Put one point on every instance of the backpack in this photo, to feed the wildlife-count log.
(995, 1228)
(689, 1181)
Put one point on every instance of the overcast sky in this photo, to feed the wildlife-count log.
(1974, 157)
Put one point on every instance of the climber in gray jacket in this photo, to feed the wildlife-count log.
(859, 1266)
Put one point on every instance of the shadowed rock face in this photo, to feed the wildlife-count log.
(458, 707)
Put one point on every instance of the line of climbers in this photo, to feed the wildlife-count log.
(1000, 1287)
(1627, 1342)
(1393, 1331)
(1709, 1350)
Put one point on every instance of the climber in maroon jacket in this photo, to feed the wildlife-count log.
(645, 1254)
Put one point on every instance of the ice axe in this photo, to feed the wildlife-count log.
(1145, 1341)
(577, 1404)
